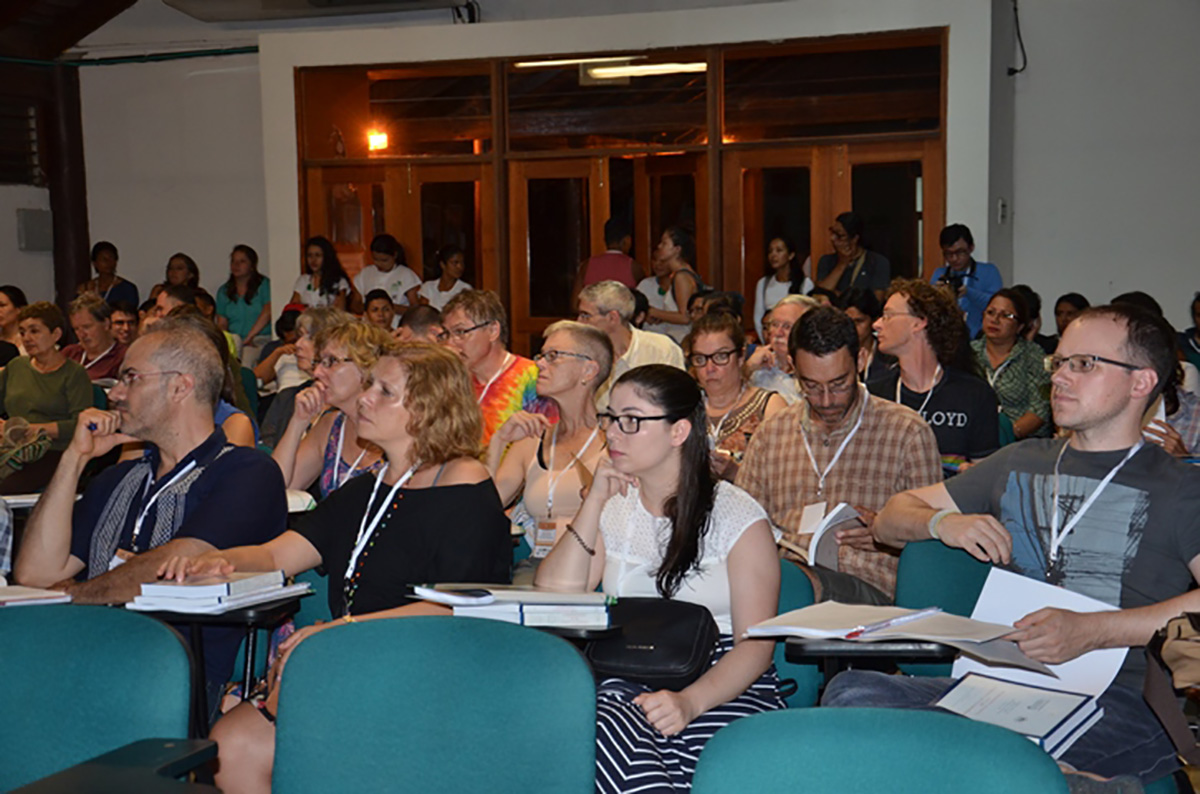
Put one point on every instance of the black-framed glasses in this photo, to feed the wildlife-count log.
(329, 362)
(628, 423)
(130, 377)
(461, 333)
(552, 356)
(1083, 362)
(720, 357)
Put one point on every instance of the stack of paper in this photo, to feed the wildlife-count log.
(212, 595)
(17, 596)
(522, 605)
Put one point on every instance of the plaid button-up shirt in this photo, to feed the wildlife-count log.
(894, 450)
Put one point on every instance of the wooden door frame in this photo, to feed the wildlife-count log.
(693, 164)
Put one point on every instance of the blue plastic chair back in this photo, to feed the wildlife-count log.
(436, 704)
(795, 592)
(838, 750)
(933, 574)
(79, 681)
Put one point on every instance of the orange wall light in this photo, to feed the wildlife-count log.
(377, 140)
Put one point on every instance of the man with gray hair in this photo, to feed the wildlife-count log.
(192, 492)
(609, 306)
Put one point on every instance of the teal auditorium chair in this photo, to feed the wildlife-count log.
(796, 591)
(80, 681)
(313, 609)
(933, 574)
(833, 751)
(436, 704)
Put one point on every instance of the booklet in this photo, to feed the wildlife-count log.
(216, 605)
(834, 620)
(18, 596)
(467, 593)
(234, 584)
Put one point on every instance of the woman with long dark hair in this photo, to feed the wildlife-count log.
(451, 264)
(12, 300)
(785, 276)
(677, 249)
(657, 523)
(324, 282)
(244, 303)
(182, 270)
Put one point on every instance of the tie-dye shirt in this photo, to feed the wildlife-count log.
(515, 389)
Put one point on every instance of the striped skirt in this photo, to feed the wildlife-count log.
(631, 756)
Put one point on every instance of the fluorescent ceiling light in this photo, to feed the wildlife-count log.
(574, 61)
(644, 70)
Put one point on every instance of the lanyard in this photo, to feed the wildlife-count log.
(714, 436)
(821, 475)
(141, 517)
(365, 529)
(1056, 537)
(337, 462)
(553, 479)
(937, 373)
(994, 375)
(499, 372)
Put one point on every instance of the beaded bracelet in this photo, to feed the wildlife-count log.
(590, 551)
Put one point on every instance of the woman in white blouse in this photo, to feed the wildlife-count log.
(438, 292)
(324, 283)
(656, 523)
(785, 276)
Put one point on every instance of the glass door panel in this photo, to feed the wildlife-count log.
(346, 204)
(449, 218)
(887, 196)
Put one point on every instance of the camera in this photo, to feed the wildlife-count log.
(952, 279)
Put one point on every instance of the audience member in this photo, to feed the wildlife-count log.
(1066, 309)
(641, 309)
(173, 296)
(1013, 364)
(938, 378)
(422, 324)
(12, 300)
(1135, 544)
(191, 493)
(244, 302)
(654, 287)
(697, 304)
(232, 412)
(973, 283)
(851, 265)
(181, 271)
(733, 408)
(828, 297)
(324, 282)
(785, 276)
(322, 445)
(277, 364)
(146, 311)
(97, 351)
(657, 523)
(839, 444)
(770, 366)
(861, 306)
(676, 251)
(438, 292)
(1179, 433)
(550, 467)
(124, 322)
(207, 305)
(1034, 330)
(45, 388)
(1189, 340)
(107, 284)
(609, 306)
(436, 518)
(504, 383)
(388, 271)
(378, 309)
(309, 325)
(615, 264)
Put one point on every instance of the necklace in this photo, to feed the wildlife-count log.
(937, 373)
(714, 435)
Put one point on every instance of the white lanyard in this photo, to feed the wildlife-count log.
(365, 529)
(553, 479)
(821, 475)
(715, 435)
(995, 375)
(337, 462)
(1056, 537)
(83, 357)
(141, 517)
(499, 372)
(937, 373)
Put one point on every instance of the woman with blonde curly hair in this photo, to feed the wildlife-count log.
(430, 515)
(321, 442)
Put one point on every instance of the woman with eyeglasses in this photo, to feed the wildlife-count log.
(734, 408)
(851, 265)
(547, 465)
(657, 523)
(330, 452)
(1013, 365)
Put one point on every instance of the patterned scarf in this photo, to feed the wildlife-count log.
(168, 517)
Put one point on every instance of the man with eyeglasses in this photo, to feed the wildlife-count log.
(1101, 512)
(973, 283)
(838, 444)
(192, 492)
(476, 327)
(609, 306)
(770, 366)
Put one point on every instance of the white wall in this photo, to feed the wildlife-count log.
(1107, 171)
(34, 273)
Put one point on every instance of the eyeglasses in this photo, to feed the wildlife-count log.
(552, 356)
(828, 390)
(887, 315)
(779, 326)
(129, 377)
(996, 314)
(329, 362)
(1082, 362)
(628, 423)
(461, 333)
(720, 358)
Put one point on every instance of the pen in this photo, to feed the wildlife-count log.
(871, 628)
